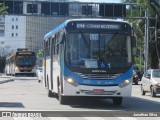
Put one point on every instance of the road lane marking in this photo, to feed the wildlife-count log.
(94, 118)
(58, 118)
(126, 118)
(23, 118)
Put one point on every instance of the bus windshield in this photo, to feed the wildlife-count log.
(26, 60)
(95, 50)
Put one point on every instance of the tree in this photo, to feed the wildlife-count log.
(154, 41)
(155, 5)
(3, 9)
(138, 27)
(40, 53)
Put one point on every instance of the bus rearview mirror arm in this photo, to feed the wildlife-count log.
(63, 39)
(133, 41)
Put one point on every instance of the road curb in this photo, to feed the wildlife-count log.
(5, 81)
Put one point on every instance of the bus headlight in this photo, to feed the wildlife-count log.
(71, 81)
(124, 83)
(16, 68)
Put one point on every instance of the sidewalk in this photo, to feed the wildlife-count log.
(4, 78)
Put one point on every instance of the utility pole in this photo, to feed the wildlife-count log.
(156, 41)
(146, 39)
(140, 54)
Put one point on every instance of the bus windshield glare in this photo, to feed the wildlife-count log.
(97, 50)
(26, 60)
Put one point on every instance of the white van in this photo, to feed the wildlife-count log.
(151, 82)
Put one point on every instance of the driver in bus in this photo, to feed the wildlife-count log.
(113, 57)
(112, 51)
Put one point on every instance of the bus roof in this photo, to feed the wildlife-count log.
(63, 25)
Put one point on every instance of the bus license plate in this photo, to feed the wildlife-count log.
(98, 91)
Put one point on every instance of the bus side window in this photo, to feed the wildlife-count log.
(57, 49)
(57, 43)
(53, 44)
(49, 43)
(47, 48)
(46, 45)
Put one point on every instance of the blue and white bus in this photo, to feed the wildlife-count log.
(73, 64)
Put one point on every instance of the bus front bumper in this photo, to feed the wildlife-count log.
(85, 90)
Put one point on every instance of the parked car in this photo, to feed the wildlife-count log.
(151, 82)
(39, 75)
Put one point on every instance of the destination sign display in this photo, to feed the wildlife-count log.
(24, 53)
(101, 26)
(29, 53)
(98, 26)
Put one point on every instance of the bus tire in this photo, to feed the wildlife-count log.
(62, 99)
(50, 94)
(117, 100)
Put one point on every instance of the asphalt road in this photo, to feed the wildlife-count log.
(26, 94)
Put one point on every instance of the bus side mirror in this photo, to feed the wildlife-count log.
(134, 45)
(133, 41)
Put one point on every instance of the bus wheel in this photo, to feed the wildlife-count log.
(50, 94)
(61, 98)
(117, 100)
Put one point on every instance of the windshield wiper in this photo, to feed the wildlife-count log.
(85, 40)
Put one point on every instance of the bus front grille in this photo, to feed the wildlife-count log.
(90, 92)
(98, 76)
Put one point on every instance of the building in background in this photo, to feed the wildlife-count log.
(26, 24)
(2, 27)
(28, 31)
(28, 21)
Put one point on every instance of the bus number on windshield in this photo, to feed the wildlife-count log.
(93, 36)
